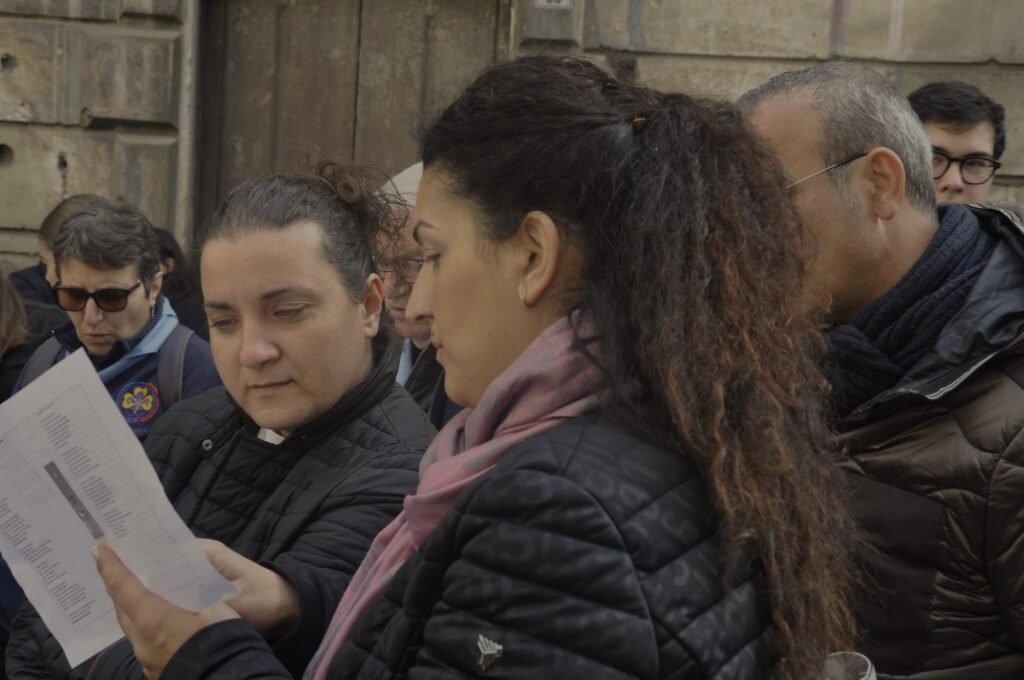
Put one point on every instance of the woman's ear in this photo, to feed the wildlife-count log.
(372, 305)
(154, 288)
(540, 245)
(885, 172)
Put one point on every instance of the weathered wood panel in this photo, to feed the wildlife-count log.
(414, 58)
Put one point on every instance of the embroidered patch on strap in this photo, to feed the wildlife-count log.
(138, 402)
(490, 652)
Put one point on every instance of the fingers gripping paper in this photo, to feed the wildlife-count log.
(72, 474)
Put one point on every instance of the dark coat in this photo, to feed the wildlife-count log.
(586, 553)
(307, 508)
(31, 284)
(937, 469)
(426, 385)
(42, 319)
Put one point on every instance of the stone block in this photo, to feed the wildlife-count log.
(171, 9)
(743, 28)
(1008, 193)
(103, 10)
(21, 243)
(557, 21)
(943, 31)
(33, 58)
(49, 164)
(1003, 84)
(128, 75)
(710, 77)
(10, 262)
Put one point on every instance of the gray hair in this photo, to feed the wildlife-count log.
(103, 235)
(860, 110)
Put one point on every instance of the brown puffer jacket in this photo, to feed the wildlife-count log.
(937, 467)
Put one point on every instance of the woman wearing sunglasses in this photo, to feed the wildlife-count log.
(108, 281)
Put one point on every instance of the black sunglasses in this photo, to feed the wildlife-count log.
(107, 299)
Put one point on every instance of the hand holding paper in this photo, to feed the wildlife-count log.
(154, 626)
(72, 475)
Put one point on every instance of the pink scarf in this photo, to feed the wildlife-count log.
(550, 382)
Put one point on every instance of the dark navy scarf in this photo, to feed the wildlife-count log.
(871, 353)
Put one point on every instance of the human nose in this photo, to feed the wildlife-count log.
(952, 181)
(257, 348)
(92, 314)
(420, 306)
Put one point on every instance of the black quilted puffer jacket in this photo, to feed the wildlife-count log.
(586, 553)
(307, 508)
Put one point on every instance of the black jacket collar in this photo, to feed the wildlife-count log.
(990, 323)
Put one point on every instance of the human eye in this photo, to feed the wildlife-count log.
(434, 259)
(290, 312)
(978, 163)
(223, 324)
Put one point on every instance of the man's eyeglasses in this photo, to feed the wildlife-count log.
(974, 169)
(107, 299)
(405, 268)
(831, 167)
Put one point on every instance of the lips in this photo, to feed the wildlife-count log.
(268, 387)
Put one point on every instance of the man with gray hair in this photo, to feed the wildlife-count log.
(926, 314)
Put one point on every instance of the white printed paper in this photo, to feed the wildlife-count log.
(72, 475)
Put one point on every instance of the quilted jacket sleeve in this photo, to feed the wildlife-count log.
(323, 557)
(538, 577)
(230, 650)
(1005, 537)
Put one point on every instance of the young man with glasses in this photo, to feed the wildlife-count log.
(924, 306)
(968, 136)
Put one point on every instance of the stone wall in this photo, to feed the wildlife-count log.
(725, 47)
(95, 97)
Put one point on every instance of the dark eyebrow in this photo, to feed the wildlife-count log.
(970, 154)
(283, 290)
(416, 230)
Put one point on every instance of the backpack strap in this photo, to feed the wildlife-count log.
(170, 368)
(42, 359)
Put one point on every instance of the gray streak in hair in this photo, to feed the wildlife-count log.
(860, 110)
(106, 236)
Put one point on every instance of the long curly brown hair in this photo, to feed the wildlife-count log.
(692, 276)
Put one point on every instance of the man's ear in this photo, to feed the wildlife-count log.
(539, 247)
(887, 178)
(372, 305)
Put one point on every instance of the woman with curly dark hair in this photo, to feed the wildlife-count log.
(641, 485)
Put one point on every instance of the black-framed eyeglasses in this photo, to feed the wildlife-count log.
(107, 299)
(405, 268)
(974, 168)
(831, 167)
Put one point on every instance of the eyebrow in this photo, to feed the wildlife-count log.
(268, 295)
(416, 230)
(970, 154)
